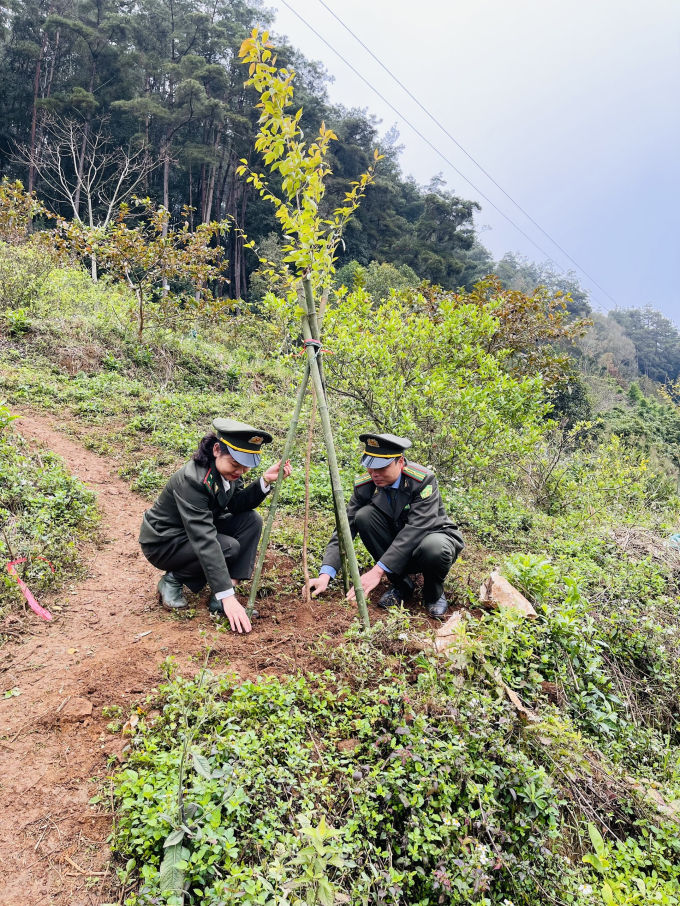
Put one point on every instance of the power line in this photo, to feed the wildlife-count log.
(466, 153)
(437, 151)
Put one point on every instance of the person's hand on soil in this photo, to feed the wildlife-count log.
(235, 613)
(318, 586)
(272, 472)
(369, 581)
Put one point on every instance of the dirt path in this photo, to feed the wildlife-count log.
(104, 648)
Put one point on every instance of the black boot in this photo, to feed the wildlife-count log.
(171, 593)
(437, 608)
(392, 598)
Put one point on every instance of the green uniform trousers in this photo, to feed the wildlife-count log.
(433, 557)
(238, 536)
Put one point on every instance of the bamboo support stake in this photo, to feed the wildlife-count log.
(343, 523)
(288, 446)
(310, 439)
(308, 462)
(312, 314)
(315, 321)
(344, 568)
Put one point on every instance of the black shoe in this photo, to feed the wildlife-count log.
(392, 598)
(171, 593)
(404, 588)
(438, 608)
(215, 606)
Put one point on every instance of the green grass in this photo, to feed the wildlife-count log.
(44, 512)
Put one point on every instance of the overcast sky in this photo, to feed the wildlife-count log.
(572, 106)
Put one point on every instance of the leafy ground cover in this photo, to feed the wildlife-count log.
(418, 784)
(44, 512)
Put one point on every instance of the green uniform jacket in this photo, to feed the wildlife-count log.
(419, 511)
(188, 507)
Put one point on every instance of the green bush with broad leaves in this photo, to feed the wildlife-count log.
(380, 281)
(24, 274)
(612, 667)
(467, 415)
(622, 876)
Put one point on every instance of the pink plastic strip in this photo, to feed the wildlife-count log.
(32, 603)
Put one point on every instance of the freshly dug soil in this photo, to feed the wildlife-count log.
(105, 647)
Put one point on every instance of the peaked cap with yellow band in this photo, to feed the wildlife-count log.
(381, 449)
(242, 442)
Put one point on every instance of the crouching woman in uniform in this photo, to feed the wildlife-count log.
(203, 526)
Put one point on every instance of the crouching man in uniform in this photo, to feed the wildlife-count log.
(398, 512)
(203, 526)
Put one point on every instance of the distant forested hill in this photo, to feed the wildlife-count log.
(165, 73)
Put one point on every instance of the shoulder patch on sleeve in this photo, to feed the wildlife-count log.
(427, 491)
(418, 474)
(362, 479)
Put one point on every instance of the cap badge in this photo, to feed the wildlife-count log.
(372, 442)
(255, 440)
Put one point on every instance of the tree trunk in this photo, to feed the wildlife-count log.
(147, 92)
(207, 212)
(236, 284)
(48, 92)
(230, 208)
(36, 90)
(140, 315)
(81, 165)
(191, 201)
(166, 195)
(222, 204)
(305, 534)
(242, 274)
(202, 195)
(217, 181)
(207, 205)
(166, 177)
(34, 117)
(81, 161)
(54, 57)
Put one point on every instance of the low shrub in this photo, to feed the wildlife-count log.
(44, 511)
(390, 780)
(423, 802)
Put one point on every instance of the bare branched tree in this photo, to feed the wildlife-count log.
(82, 167)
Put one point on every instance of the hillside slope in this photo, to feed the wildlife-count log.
(480, 775)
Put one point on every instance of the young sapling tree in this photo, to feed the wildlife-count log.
(166, 269)
(310, 241)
